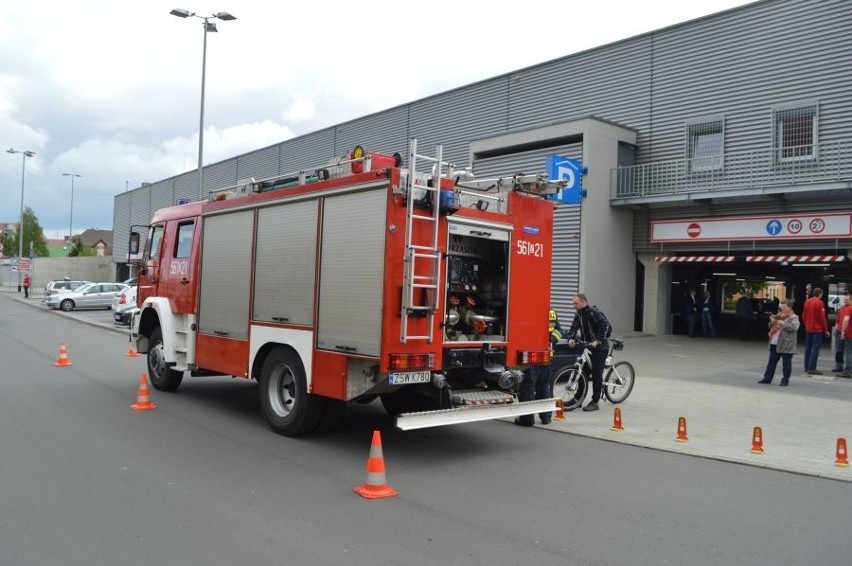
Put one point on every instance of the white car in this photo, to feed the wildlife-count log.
(91, 296)
(125, 297)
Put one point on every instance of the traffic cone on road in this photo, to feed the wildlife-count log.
(681, 429)
(842, 459)
(560, 411)
(132, 352)
(63, 357)
(757, 441)
(143, 400)
(376, 485)
(616, 420)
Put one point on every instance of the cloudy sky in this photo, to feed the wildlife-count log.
(110, 89)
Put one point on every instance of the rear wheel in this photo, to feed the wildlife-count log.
(163, 377)
(284, 399)
(571, 386)
(619, 381)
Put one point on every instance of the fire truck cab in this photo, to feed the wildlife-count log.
(357, 279)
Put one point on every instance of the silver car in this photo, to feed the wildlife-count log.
(91, 296)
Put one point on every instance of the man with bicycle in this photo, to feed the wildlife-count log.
(594, 328)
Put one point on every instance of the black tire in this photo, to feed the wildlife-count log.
(571, 398)
(67, 305)
(163, 377)
(284, 399)
(619, 381)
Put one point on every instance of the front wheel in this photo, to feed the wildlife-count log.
(619, 381)
(284, 399)
(571, 386)
(163, 377)
(67, 305)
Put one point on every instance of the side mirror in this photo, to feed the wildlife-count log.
(134, 243)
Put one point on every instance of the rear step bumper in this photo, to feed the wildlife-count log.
(472, 414)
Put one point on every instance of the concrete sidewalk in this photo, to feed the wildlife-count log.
(712, 383)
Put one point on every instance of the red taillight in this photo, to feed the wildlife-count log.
(411, 361)
(122, 300)
(535, 357)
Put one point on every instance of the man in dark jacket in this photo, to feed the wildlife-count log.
(593, 327)
(690, 312)
(744, 315)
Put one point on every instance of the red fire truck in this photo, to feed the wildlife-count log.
(357, 279)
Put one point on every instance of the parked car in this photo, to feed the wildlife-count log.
(128, 296)
(123, 313)
(130, 282)
(91, 296)
(60, 286)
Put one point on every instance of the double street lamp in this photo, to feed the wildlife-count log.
(24, 155)
(211, 27)
(71, 219)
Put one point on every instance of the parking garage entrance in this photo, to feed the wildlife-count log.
(769, 278)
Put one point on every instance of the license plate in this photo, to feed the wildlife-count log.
(406, 377)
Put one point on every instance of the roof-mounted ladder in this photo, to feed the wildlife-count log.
(422, 261)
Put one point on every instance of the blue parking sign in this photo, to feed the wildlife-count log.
(569, 170)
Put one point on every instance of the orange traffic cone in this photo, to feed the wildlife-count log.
(143, 400)
(616, 420)
(681, 429)
(560, 411)
(757, 441)
(842, 456)
(376, 485)
(63, 357)
(132, 352)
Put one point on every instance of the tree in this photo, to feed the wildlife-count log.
(32, 234)
(78, 249)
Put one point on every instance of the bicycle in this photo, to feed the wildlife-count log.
(618, 380)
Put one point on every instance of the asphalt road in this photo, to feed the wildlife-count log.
(85, 480)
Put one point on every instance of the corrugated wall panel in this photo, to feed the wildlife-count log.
(162, 195)
(260, 164)
(307, 151)
(120, 225)
(186, 187)
(219, 175)
(385, 132)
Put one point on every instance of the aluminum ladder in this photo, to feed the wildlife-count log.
(420, 292)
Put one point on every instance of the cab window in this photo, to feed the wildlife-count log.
(152, 250)
(183, 245)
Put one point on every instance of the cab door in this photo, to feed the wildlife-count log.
(180, 261)
(148, 278)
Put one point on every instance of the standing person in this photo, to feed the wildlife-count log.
(816, 327)
(594, 328)
(690, 313)
(783, 331)
(708, 309)
(537, 383)
(837, 334)
(27, 286)
(744, 315)
(844, 315)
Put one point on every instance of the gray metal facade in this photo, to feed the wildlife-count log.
(735, 67)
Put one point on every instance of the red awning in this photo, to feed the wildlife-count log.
(694, 258)
(795, 258)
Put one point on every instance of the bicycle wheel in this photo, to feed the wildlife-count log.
(571, 387)
(619, 381)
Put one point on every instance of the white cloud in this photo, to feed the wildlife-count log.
(111, 90)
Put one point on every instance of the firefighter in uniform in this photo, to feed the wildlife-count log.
(537, 379)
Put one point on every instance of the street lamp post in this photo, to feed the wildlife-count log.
(208, 27)
(71, 217)
(24, 155)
